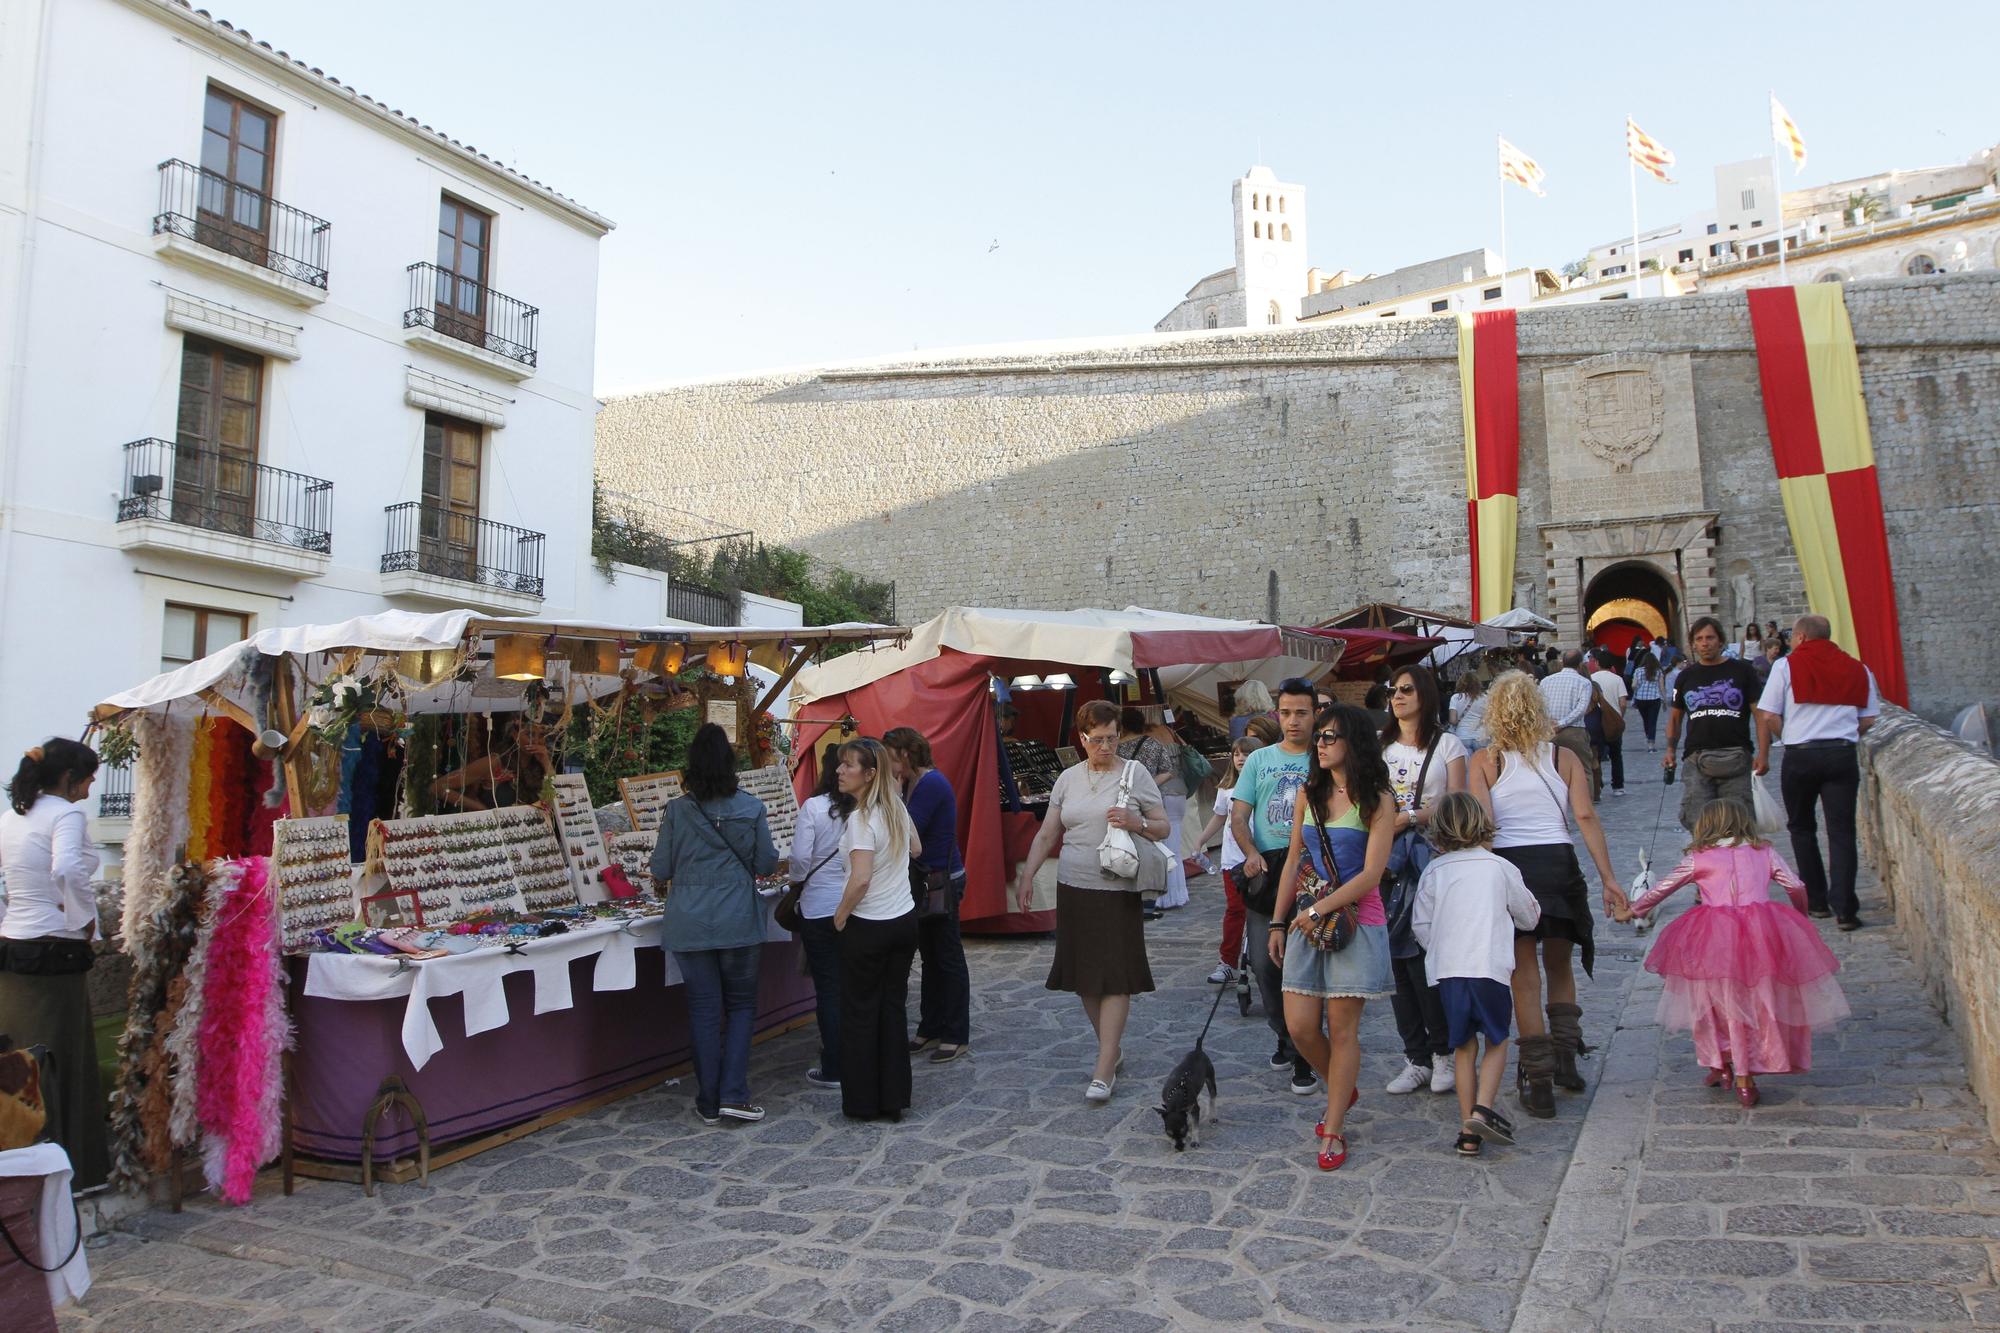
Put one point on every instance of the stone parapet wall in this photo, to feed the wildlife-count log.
(1930, 824)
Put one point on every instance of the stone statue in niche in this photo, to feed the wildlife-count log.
(1745, 590)
(1524, 594)
(1624, 411)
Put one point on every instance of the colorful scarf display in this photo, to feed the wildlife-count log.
(159, 817)
(1489, 396)
(244, 1034)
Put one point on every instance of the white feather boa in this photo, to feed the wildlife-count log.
(159, 816)
(183, 1046)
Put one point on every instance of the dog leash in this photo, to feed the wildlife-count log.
(1219, 991)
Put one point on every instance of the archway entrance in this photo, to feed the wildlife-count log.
(1631, 600)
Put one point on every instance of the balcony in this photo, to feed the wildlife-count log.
(454, 559)
(471, 322)
(702, 606)
(114, 792)
(207, 222)
(192, 500)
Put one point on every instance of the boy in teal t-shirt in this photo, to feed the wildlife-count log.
(1270, 784)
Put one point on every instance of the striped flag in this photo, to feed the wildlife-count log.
(1489, 381)
(1518, 167)
(1652, 155)
(1786, 131)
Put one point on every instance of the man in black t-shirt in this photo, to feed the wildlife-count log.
(1715, 698)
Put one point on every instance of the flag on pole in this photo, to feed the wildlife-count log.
(1518, 167)
(1489, 385)
(1786, 131)
(1652, 155)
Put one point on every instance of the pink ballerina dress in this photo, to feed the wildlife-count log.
(1747, 974)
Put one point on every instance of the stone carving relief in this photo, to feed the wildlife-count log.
(1624, 410)
(1621, 437)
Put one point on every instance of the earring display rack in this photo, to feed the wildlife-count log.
(582, 840)
(646, 796)
(773, 786)
(315, 877)
(633, 852)
(461, 864)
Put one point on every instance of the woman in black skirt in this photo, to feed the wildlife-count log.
(1100, 934)
(1532, 787)
(45, 936)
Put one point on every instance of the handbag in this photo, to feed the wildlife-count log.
(1408, 857)
(1335, 931)
(1118, 854)
(787, 913)
(932, 890)
(1612, 720)
(1195, 768)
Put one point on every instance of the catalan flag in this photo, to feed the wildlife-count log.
(1651, 155)
(1489, 395)
(1811, 378)
(1785, 131)
(1518, 167)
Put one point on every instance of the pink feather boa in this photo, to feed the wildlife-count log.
(244, 1032)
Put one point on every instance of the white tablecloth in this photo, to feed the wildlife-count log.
(56, 1220)
(479, 976)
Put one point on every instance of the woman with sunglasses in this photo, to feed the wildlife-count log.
(1344, 823)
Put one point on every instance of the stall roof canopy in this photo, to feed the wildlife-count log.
(321, 648)
(1130, 640)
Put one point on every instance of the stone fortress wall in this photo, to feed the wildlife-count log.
(1296, 472)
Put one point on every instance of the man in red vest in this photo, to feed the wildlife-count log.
(1818, 701)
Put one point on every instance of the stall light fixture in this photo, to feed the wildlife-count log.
(520, 657)
(597, 657)
(662, 659)
(728, 659)
(1026, 683)
(1122, 677)
(1060, 681)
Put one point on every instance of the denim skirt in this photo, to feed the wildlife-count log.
(1358, 972)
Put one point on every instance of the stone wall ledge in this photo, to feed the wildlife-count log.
(1930, 823)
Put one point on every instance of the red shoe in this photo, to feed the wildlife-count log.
(1747, 1094)
(1717, 1077)
(1353, 1097)
(1330, 1160)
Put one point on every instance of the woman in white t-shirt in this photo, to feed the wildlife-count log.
(1425, 762)
(877, 921)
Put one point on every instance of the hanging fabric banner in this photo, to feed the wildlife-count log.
(1826, 469)
(1489, 393)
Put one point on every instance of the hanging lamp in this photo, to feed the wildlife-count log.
(520, 657)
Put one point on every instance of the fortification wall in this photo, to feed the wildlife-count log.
(1300, 471)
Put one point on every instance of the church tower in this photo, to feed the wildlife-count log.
(1270, 247)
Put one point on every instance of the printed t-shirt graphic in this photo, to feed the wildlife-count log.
(1269, 785)
(1717, 701)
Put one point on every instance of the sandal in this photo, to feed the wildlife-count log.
(1485, 1123)
(1469, 1144)
(946, 1053)
(1330, 1160)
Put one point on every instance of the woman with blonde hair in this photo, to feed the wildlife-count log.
(1253, 699)
(877, 921)
(1531, 787)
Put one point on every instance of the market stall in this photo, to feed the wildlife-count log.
(362, 855)
(943, 683)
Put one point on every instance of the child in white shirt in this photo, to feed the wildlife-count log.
(1469, 904)
(1232, 861)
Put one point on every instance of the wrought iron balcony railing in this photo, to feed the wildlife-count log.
(472, 313)
(114, 792)
(236, 220)
(702, 606)
(451, 545)
(200, 487)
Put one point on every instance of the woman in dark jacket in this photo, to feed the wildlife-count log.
(944, 1014)
(714, 842)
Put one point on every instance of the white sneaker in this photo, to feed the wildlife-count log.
(1414, 1076)
(1444, 1078)
(1222, 976)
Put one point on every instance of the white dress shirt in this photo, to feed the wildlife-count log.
(816, 840)
(48, 861)
(1613, 686)
(1814, 722)
(1566, 696)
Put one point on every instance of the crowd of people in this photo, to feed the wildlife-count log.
(1421, 849)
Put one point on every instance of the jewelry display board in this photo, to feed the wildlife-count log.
(582, 840)
(773, 786)
(646, 796)
(541, 874)
(314, 877)
(1035, 767)
(458, 865)
(633, 852)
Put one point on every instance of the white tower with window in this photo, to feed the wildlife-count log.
(1270, 247)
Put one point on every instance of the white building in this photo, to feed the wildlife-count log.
(1270, 275)
(276, 354)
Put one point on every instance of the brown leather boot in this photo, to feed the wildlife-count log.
(1566, 1032)
(1535, 1077)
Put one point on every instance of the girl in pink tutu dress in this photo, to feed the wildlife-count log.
(1745, 972)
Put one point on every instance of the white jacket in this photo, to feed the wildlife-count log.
(1468, 906)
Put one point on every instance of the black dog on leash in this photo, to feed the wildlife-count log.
(1180, 1101)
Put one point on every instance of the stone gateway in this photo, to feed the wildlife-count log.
(1296, 472)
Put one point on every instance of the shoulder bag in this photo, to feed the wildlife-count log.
(1195, 768)
(787, 913)
(1335, 931)
(1118, 854)
(1407, 859)
(1611, 719)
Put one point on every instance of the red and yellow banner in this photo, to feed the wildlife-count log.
(1489, 391)
(1826, 469)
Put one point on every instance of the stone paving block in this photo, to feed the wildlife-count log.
(1081, 1247)
(1672, 1220)
(1940, 1263)
(1847, 1301)
(1679, 1298)
(1781, 1219)
(650, 1312)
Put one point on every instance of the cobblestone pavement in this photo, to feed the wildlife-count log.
(1860, 1194)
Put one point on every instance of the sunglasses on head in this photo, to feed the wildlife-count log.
(1328, 738)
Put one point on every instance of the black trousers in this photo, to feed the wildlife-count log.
(1616, 751)
(1649, 713)
(1419, 1013)
(1827, 774)
(875, 1014)
(944, 993)
(1270, 976)
(822, 944)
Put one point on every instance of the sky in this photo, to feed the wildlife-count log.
(802, 183)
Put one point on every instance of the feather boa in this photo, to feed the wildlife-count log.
(159, 818)
(159, 945)
(201, 791)
(182, 1047)
(244, 1032)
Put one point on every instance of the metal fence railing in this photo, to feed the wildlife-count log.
(450, 545)
(472, 313)
(214, 211)
(208, 488)
(703, 606)
(114, 792)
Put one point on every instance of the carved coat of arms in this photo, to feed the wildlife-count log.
(1624, 411)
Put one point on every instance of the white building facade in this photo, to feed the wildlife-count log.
(277, 354)
(1270, 275)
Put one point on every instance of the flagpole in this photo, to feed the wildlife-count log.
(1632, 169)
(1503, 218)
(1777, 187)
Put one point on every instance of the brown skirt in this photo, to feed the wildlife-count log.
(1100, 943)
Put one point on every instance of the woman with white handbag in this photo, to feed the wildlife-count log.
(1108, 815)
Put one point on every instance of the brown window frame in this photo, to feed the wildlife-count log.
(236, 212)
(461, 296)
(201, 645)
(448, 530)
(215, 482)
